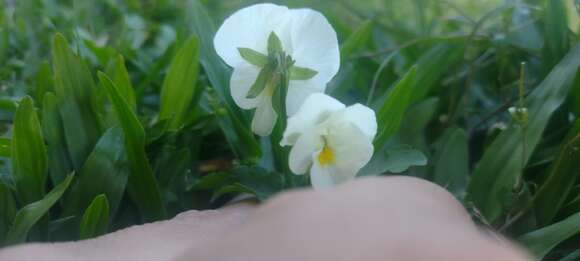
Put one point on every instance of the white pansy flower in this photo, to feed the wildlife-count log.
(271, 46)
(331, 140)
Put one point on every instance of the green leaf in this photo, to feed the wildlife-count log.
(431, 67)
(30, 214)
(541, 241)
(7, 104)
(452, 162)
(121, 78)
(95, 220)
(556, 32)
(496, 173)
(59, 162)
(28, 154)
(561, 178)
(357, 40)
(391, 113)
(575, 96)
(232, 121)
(175, 165)
(394, 160)
(5, 147)
(43, 83)
(253, 57)
(105, 172)
(180, 84)
(253, 180)
(143, 187)
(261, 82)
(7, 210)
(274, 43)
(400, 159)
(574, 256)
(4, 42)
(414, 126)
(301, 73)
(75, 93)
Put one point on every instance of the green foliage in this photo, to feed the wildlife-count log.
(563, 173)
(496, 174)
(357, 40)
(143, 187)
(28, 154)
(160, 134)
(105, 172)
(391, 113)
(541, 241)
(96, 218)
(179, 85)
(27, 217)
(452, 161)
(75, 95)
(7, 210)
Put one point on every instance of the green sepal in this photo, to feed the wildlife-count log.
(253, 57)
(301, 73)
(274, 44)
(260, 83)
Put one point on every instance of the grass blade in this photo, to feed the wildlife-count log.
(7, 210)
(451, 165)
(95, 221)
(180, 84)
(105, 172)
(30, 214)
(391, 113)
(356, 40)
(75, 92)
(556, 29)
(563, 173)
(541, 241)
(29, 157)
(121, 78)
(143, 187)
(59, 162)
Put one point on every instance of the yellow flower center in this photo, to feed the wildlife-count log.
(326, 156)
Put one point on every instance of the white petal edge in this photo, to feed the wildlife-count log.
(243, 77)
(250, 27)
(314, 44)
(298, 92)
(363, 117)
(300, 159)
(264, 117)
(316, 108)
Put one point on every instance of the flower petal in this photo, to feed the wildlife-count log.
(322, 177)
(264, 117)
(363, 117)
(298, 91)
(351, 149)
(301, 153)
(243, 77)
(249, 28)
(314, 44)
(315, 109)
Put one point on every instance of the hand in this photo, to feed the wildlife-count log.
(392, 218)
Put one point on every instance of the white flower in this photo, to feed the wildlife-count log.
(331, 140)
(308, 47)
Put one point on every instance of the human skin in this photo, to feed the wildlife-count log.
(392, 218)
